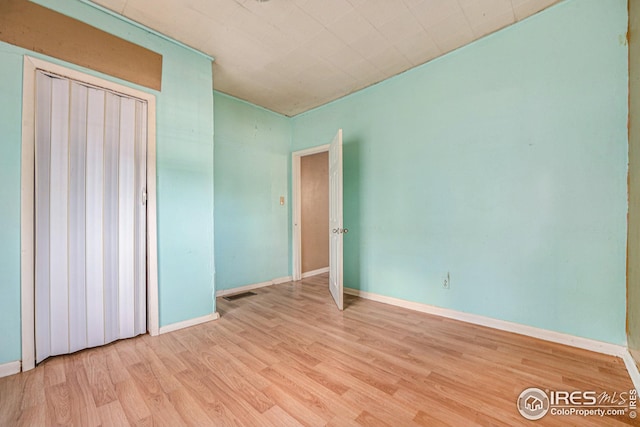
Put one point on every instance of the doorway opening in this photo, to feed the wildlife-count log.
(335, 229)
(310, 212)
(314, 214)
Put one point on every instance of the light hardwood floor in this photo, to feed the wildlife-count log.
(288, 357)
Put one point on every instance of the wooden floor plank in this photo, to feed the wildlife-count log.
(156, 399)
(132, 402)
(83, 407)
(287, 357)
(53, 371)
(11, 396)
(294, 406)
(112, 415)
(366, 419)
(278, 417)
(189, 410)
(32, 416)
(206, 397)
(33, 392)
(58, 405)
(99, 380)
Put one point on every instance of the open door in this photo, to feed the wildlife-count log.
(335, 219)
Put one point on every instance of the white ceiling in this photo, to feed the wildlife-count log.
(292, 55)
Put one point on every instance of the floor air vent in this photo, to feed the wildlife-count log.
(238, 296)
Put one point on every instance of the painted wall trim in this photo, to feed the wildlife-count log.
(27, 188)
(296, 223)
(10, 368)
(531, 331)
(145, 28)
(632, 368)
(191, 322)
(27, 215)
(281, 280)
(245, 288)
(315, 272)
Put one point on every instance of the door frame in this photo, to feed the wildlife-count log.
(27, 204)
(296, 199)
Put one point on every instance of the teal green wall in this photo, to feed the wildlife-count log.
(503, 163)
(184, 176)
(252, 151)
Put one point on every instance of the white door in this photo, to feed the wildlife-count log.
(90, 254)
(335, 219)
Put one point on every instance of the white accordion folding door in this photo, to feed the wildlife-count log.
(90, 216)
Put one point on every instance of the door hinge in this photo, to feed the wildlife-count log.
(144, 196)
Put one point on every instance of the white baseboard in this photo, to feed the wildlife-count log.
(191, 322)
(315, 272)
(10, 368)
(544, 334)
(239, 289)
(280, 280)
(632, 368)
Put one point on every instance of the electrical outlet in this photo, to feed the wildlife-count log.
(447, 281)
